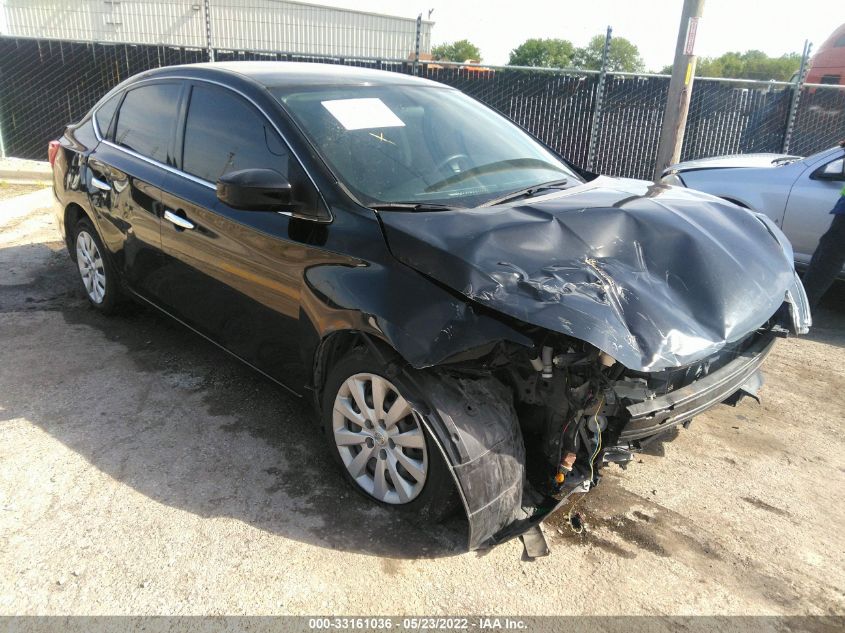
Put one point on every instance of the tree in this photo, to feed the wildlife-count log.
(748, 65)
(459, 51)
(549, 53)
(623, 55)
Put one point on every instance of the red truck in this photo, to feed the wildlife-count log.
(828, 64)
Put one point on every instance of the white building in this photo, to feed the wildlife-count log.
(262, 25)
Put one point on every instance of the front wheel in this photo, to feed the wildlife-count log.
(384, 449)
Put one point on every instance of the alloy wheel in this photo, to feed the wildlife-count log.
(91, 267)
(379, 439)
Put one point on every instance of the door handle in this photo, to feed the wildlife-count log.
(100, 184)
(178, 220)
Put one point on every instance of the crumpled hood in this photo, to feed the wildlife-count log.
(655, 276)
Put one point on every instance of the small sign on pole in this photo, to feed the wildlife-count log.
(692, 29)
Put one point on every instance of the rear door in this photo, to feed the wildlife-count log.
(808, 208)
(234, 275)
(127, 171)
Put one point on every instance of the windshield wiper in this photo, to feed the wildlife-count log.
(527, 192)
(410, 206)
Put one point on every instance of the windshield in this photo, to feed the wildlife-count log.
(419, 145)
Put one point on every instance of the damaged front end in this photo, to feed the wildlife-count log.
(643, 312)
(524, 432)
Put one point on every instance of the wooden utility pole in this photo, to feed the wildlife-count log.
(680, 88)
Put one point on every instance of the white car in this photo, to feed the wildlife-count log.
(796, 193)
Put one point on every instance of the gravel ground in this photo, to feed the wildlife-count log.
(142, 471)
(14, 189)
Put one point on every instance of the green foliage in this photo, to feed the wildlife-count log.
(459, 51)
(623, 55)
(748, 65)
(549, 53)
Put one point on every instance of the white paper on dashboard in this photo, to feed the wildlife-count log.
(360, 114)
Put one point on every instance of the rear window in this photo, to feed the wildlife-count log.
(147, 120)
(105, 113)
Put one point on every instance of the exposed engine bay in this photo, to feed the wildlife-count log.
(576, 407)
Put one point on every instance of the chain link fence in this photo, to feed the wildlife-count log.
(820, 118)
(46, 84)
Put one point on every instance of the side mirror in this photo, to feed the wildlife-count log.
(255, 190)
(834, 170)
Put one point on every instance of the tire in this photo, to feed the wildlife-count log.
(425, 488)
(96, 273)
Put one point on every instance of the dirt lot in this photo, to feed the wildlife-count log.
(143, 471)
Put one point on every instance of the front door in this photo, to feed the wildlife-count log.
(807, 215)
(234, 275)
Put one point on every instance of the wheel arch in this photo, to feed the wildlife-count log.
(72, 214)
(398, 311)
(472, 422)
(737, 202)
(334, 346)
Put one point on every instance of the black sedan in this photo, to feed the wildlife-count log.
(476, 320)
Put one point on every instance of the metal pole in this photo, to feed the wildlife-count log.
(2, 144)
(417, 43)
(796, 96)
(208, 42)
(680, 89)
(594, 127)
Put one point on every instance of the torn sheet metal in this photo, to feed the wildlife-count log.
(655, 276)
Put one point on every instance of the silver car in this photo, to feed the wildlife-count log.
(796, 193)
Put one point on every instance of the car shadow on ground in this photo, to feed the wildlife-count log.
(184, 423)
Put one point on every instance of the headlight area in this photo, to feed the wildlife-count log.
(673, 179)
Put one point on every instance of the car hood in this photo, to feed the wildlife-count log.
(656, 276)
(733, 161)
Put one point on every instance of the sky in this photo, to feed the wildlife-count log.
(498, 26)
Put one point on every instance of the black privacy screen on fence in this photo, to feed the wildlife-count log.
(46, 84)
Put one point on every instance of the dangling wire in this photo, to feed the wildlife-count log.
(580, 527)
(598, 441)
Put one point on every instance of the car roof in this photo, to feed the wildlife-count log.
(272, 74)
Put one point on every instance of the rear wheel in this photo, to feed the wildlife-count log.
(95, 272)
(380, 442)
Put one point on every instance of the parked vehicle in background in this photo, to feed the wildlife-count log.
(796, 193)
(472, 317)
(828, 64)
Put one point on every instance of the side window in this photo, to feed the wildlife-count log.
(834, 170)
(224, 133)
(146, 120)
(105, 113)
